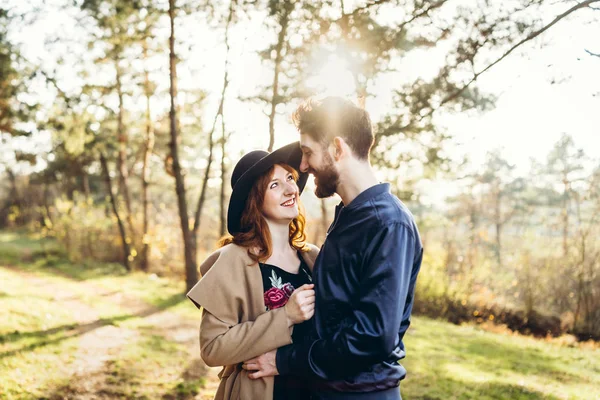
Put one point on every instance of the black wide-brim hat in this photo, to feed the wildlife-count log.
(249, 168)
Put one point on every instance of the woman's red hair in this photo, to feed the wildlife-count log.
(254, 233)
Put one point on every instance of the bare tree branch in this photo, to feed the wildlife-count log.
(529, 37)
(220, 112)
(373, 3)
(454, 95)
(367, 6)
(592, 54)
(423, 13)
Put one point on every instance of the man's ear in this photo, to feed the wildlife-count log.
(339, 148)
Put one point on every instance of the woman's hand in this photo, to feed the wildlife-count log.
(301, 305)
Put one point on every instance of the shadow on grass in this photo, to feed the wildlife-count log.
(68, 331)
(460, 363)
(112, 386)
(492, 356)
(446, 388)
(139, 373)
(60, 265)
(193, 380)
(46, 256)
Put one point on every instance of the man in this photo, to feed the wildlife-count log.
(365, 273)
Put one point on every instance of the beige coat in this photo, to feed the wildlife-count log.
(235, 326)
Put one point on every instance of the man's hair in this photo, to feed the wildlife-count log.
(325, 119)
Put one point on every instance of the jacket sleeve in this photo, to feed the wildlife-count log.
(370, 334)
(224, 344)
(227, 337)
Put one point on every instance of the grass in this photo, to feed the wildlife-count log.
(153, 368)
(32, 354)
(445, 361)
(41, 334)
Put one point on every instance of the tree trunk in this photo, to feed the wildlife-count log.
(13, 196)
(220, 113)
(498, 226)
(14, 192)
(122, 155)
(87, 248)
(223, 206)
(287, 9)
(48, 222)
(113, 203)
(565, 216)
(85, 184)
(202, 198)
(148, 147)
(189, 245)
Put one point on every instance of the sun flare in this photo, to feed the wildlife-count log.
(333, 78)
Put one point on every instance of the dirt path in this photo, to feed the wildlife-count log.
(100, 342)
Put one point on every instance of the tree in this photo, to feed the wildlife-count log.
(281, 10)
(113, 18)
(466, 213)
(16, 75)
(221, 113)
(503, 195)
(586, 257)
(145, 35)
(564, 165)
(115, 209)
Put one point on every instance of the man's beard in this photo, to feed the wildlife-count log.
(327, 179)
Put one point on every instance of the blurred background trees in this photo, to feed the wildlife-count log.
(120, 141)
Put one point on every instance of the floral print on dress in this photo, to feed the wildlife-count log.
(279, 294)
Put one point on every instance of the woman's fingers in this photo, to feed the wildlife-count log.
(310, 299)
(306, 293)
(308, 308)
(306, 286)
(306, 300)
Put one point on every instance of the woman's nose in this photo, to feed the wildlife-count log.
(291, 188)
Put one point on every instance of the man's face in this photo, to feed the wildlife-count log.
(317, 161)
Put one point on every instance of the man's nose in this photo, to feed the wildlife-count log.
(303, 164)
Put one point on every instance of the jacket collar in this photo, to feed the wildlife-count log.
(366, 195)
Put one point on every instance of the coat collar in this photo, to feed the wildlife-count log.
(367, 195)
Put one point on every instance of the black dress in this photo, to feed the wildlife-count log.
(278, 285)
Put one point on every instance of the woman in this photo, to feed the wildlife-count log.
(255, 290)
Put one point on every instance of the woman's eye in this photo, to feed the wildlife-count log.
(273, 186)
(290, 177)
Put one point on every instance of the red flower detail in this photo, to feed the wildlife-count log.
(275, 298)
(288, 289)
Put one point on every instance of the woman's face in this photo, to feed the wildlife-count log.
(281, 197)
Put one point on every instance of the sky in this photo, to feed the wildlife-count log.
(548, 87)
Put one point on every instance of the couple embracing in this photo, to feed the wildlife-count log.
(287, 320)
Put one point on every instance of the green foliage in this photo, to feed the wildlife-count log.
(524, 246)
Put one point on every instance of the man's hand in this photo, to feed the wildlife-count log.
(264, 365)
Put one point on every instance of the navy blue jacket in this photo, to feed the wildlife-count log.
(364, 280)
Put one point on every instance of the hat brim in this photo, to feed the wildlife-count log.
(290, 154)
